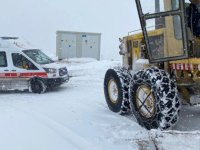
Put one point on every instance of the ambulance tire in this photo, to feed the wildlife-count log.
(37, 85)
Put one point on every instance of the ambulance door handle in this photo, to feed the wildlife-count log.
(13, 70)
(6, 70)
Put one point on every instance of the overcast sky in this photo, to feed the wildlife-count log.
(38, 20)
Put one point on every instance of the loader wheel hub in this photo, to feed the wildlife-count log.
(145, 101)
(113, 91)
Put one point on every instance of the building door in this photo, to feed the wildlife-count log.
(90, 46)
(68, 46)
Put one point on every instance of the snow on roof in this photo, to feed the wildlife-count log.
(14, 43)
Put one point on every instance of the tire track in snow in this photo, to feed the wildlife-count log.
(70, 136)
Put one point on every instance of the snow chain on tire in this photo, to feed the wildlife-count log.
(122, 78)
(164, 90)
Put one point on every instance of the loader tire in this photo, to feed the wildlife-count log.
(116, 87)
(37, 85)
(154, 99)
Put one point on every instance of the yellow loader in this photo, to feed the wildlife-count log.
(161, 66)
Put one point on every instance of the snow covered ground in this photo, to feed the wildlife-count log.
(75, 116)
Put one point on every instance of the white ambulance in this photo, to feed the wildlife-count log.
(23, 67)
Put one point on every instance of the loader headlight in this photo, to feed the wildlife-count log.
(50, 70)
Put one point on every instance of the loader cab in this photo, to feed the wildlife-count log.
(164, 29)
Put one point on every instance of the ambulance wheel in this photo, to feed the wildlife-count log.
(154, 99)
(37, 85)
(116, 86)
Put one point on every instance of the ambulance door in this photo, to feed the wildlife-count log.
(24, 69)
(4, 71)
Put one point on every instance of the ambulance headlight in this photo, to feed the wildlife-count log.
(50, 70)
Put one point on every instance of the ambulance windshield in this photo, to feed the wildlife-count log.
(38, 56)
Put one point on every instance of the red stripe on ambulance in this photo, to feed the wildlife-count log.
(10, 75)
(23, 75)
(38, 74)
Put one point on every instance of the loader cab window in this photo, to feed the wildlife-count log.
(193, 17)
(167, 41)
(175, 4)
(3, 60)
(177, 29)
(177, 20)
(22, 62)
(158, 6)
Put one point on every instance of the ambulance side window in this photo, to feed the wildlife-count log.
(22, 62)
(3, 60)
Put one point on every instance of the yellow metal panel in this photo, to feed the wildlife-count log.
(140, 35)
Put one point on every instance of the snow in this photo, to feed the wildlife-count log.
(139, 64)
(75, 116)
(176, 140)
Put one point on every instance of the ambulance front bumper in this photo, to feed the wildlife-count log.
(51, 82)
